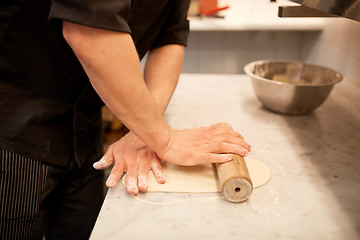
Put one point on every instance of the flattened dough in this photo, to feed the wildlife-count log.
(201, 178)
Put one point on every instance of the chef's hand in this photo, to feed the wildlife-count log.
(132, 156)
(190, 147)
(187, 147)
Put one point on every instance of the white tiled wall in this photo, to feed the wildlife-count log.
(228, 52)
(339, 48)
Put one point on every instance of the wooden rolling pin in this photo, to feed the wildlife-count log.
(234, 178)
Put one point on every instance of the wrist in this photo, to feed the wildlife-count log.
(154, 134)
(167, 143)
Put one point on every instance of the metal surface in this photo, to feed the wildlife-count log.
(344, 8)
(291, 98)
(300, 11)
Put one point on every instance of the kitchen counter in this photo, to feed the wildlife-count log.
(314, 190)
(255, 15)
(256, 23)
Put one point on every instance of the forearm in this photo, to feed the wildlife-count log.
(162, 71)
(111, 62)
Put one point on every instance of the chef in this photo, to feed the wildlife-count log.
(60, 61)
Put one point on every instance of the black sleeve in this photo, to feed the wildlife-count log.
(104, 14)
(176, 27)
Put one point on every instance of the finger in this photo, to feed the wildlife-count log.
(158, 172)
(131, 180)
(115, 175)
(225, 135)
(113, 179)
(210, 158)
(131, 185)
(143, 173)
(106, 160)
(234, 140)
(224, 147)
(226, 131)
(143, 182)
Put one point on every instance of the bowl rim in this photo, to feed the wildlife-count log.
(248, 70)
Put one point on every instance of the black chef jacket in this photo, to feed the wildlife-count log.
(48, 108)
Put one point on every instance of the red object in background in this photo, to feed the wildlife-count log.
(209, 7)
(213, 11)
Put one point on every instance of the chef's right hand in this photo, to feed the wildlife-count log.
(190, 147)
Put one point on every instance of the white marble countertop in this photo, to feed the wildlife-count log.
(314, 191)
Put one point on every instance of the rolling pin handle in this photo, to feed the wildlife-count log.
(234, 177)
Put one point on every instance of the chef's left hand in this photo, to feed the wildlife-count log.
(132, 156)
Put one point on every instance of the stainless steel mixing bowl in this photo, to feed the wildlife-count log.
(299, 87)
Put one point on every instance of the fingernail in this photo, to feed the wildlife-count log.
(99, 163)
(96, 165)
(244, 153)
(142, 182)
(132, 189)
(131, 183)
(143, 187)
(111, 181)
(110, 184)
(161, 179)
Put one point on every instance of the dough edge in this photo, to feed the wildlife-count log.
(201, 178)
